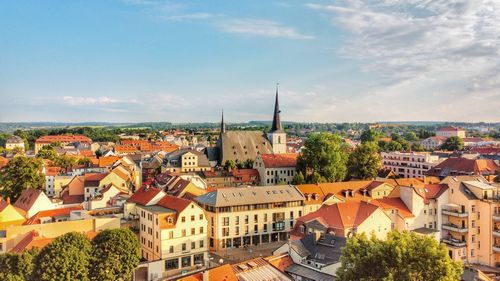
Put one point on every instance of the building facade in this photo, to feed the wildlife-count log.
(409, 164)
(276, 168)
(250, 215)
(450, 131)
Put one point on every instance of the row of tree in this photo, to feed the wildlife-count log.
(112, 255)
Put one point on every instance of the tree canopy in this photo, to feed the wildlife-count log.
(323, 158)
(17, 266)
(453, 143)
(365, 161)
(116, 254)
(19, 174)
(65, 258)
(403, 256)
(369, 135)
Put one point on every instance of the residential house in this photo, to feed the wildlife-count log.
(62, 139)
(456, 166)
(276, 168)
(15, 142)
(432, 143)
(185, 160)
(450, 131)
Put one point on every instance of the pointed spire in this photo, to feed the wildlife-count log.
(276, 117)
(222, 124)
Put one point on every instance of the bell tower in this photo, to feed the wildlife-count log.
(277, 135)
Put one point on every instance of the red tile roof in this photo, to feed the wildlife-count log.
(51, 213)
(64, 139)
(245, 175)
(394, 203)
(27, 199)
(95, 176)
(144, 195)
(279, 160)
(464, 165)
(86, 153)
(107, 161)
(450, 129)
(3, 161)
(174, 203)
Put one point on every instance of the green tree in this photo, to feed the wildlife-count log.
(19, 174)
(14, 266)
(249, 163)
(229, 165)
(65, 162)
(84, 161)
(393, 146)
(298, 178)
(65, 258)
(410, 136)
(365, 161)
(453, 143)
(115, 255)
(323, 158)
(369, 136)
(403, 256)
(47, 152)
(416, 146)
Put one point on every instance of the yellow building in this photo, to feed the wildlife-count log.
(250, 215)
(9, 215)
(174, 230)
(185, 160)
(471, 220)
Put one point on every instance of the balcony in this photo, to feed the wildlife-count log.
(455, 213)
(496, 248)
(454, 242)
(496, 232)
(496, 217)
(455, 228)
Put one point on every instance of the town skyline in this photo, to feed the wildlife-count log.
(346, 61)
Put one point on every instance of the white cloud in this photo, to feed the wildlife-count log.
(187, 17)
(259, 27)
(437, 60)
(79, 101)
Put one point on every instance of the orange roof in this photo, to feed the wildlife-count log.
(3, 161)
(450, 129)
(51, 213)
(222, 273)
(279, 160)
(325, 190)
(280, 262)
(107, 161)
(95, 176)
(64, 139)
(144, 195)
(464, 165)
(342, 215)
(52, 171)
(394, 203)
(33, 240)
(174, 203)
(27, 199)
(86, 153)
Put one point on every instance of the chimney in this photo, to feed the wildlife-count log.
(206, 276)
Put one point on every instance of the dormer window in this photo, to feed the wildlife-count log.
(170, 220)
(302, 229)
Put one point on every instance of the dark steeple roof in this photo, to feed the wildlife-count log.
(222, 124)
(276, 117)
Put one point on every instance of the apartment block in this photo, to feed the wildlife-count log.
(409, 164)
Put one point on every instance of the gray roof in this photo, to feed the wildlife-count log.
(173, 159)
(297, 269)
(157, 209)
(236, 196)
(457, 181)
(242, 145)
(326, 250)
(14, 139)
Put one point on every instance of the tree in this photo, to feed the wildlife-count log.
(65, 258)
(403, 256)
(365, 161)
(416, 146)
(323, 158)
(84, 161)
(229, 165)
(115, 255)
(369, 136)
(14, 266)
(47, 152)
(410, 136)
(453, 143)
(19, 174)
(249, 163)
(65, 162)
(298, 178)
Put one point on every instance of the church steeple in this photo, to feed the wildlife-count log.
(276, 117)
(222, 124)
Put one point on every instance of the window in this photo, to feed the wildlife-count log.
(246, 219)
(237, 220)
(184, 247)
(201, 229)
(265, 217)
(186, 261)
(192, 218)
(202, 244)
(472, 253)
(193, 231)
(473, 223)
(183, 233)
(225, 221)
(255, 229)
(255, 218)
(193, 245)
(171, 235)
(291, 215)
(473, 238)
(237, 231)
(201, 216)
(473, 208)
(171, 249)
(171, 264)
(198, 259)
(225, 231)
(246, 229)
(183, 219)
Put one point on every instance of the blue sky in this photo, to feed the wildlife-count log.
(183, 61)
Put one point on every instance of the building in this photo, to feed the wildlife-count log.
(31, 201)
(409, 164)
(174, 230)
(455, 166)
(62, 139)
(239, 146)
(250, 215)
(185, 160)
(218, 178)
(471, 220)
(432, 143)
(315, 257)
(344, 220)
(244, 177)
(15, 142)
(276, 168)
(450, 131)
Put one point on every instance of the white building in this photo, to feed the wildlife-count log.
(276, 168)
(14, 142)
(409, 164)
(174, 230)
(450, 131)
(432, 143)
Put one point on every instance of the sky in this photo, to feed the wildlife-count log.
(185, 61)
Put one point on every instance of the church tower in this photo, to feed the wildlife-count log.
(277, 135)
(222, 124)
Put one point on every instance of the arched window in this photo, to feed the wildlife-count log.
(279, 139)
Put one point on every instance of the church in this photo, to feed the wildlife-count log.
(242, 145)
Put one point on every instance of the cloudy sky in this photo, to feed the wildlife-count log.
(183, 61)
